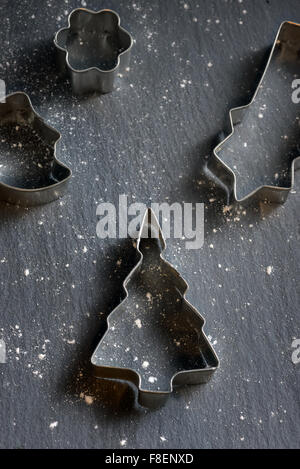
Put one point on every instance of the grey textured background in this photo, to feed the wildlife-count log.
(148, 140)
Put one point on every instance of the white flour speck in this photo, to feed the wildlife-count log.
(149, 297)
(138, 323)
(152, 379)
(89, 400)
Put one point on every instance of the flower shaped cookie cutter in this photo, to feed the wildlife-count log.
(30, 173)
(92, 50)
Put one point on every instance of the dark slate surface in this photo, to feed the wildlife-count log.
(148, 140)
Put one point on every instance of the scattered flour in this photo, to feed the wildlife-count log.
(138, 323)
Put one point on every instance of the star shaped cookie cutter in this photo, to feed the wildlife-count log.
(155, 337)
(30, 173)
(259, 157)
(93, 50)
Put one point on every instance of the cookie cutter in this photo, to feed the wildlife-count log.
(259, 158)
(155, 337)
(93, 50)
(30, 173)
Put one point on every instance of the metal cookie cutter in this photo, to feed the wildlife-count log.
(30, 173)
(155, 336)
(258, 159)
(93, 49)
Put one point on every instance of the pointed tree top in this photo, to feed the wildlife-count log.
(150, 228)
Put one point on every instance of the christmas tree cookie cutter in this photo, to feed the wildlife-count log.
(93, 50)
(155, 337)
(30, 173)
(259, 157)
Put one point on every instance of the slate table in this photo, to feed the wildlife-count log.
(192, 61)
